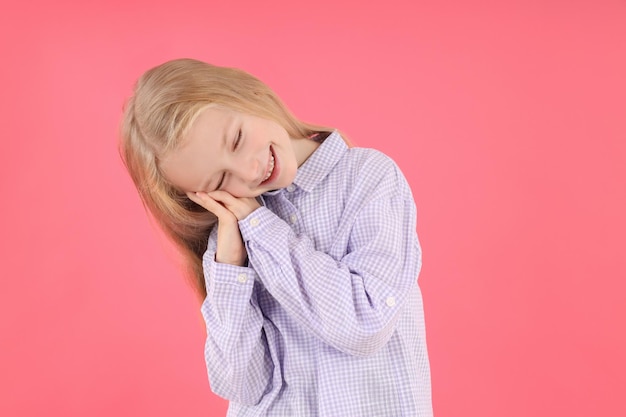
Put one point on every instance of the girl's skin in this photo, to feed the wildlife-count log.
(228, 159)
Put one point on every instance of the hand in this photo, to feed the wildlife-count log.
(241, 207)
(228, 210)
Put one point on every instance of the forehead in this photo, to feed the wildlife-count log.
(209, 119)
(191, 165)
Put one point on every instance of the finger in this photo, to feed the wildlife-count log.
(204, 200)
(196, 198)
(230, 200)
(241, 207)
(232, 203)
(193, 197)
(223, 197)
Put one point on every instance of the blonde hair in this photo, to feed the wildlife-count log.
(164, 104)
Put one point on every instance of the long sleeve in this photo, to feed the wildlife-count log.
(328, 319)
(237, 354)
(351, 302)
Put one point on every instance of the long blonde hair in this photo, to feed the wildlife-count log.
(164, 104)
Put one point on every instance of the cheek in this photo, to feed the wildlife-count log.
(289, 171)
(242, 192)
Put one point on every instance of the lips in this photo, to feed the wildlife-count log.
(272, 168)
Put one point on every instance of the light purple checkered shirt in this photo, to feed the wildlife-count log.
(327, 319)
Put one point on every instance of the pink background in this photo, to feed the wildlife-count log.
(508, 119)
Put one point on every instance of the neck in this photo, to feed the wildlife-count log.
(303, 148)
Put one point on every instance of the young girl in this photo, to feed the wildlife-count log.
(302, 248)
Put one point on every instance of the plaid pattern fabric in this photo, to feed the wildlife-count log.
(327, 319)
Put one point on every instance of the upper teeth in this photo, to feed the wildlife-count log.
(271, 168)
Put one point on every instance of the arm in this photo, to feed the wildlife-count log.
(237, 353)
(351, 303)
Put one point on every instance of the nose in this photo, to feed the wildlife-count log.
(248, 170)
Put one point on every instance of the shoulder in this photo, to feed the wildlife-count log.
(371, 170)
(368, 157)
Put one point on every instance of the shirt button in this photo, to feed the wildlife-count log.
(254, 222)
(291, 188)
(293, 218)
(242, 278)
(390, 301)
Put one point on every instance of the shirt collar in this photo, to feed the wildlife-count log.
(321, 162)
(318, 165)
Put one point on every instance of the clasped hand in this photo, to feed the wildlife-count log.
(229, 210)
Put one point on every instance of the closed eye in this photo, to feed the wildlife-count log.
(237, 140)
(221, 181)
(236, 144)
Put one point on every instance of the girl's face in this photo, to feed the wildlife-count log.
(239, 153)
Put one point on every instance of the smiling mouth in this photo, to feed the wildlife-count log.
(270, 167)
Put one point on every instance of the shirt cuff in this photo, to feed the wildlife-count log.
(221, 273)
(257, 222)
